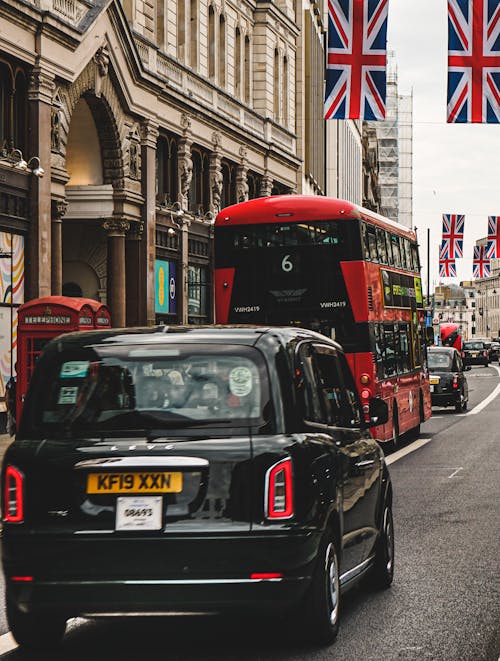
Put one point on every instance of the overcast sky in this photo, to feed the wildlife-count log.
(456, 167)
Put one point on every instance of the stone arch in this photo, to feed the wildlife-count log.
(98, 91)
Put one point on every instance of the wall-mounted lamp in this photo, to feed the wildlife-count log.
(16, 160)
(38, 171)
(176, 213)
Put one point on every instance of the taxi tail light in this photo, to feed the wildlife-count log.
(279, 490)
(14, 495)
(485, 353)
(455, 380)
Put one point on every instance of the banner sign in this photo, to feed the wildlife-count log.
(165, 287)
(401, 290)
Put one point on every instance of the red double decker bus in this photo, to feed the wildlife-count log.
(332, 266)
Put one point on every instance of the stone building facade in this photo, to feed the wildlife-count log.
(147, 117)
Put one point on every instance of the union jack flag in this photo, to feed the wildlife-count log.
(480, 263)
(493, 250)
(474, 61)
(453, 235)
(447, 268)
(444, 250)
(356, 59)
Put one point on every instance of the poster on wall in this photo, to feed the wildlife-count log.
(165, 287)
(11, 296)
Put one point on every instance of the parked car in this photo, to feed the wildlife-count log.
(475, 352)
(447, 378)
(495, 351)
(192, 469)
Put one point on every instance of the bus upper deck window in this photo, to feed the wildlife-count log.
(381, 245)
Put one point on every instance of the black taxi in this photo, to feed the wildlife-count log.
(181, 469)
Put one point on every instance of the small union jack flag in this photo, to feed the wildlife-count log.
(474, 61)
(493, 249)
(480, 264)
(444, 250)
(447, 268)
(356, 59)
(453, 235)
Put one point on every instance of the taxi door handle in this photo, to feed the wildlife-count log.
(365, 463)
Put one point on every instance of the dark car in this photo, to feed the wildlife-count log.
(475, 352)
(189, 470)
(447, 378)
(495, 351)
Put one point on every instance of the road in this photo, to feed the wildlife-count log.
(444, 604)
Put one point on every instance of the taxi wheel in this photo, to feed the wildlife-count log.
(319, 613)
(35, 631)
(383, 567)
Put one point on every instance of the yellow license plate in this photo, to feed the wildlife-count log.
(434, 381)
(145, 482)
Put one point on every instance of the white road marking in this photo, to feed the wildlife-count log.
(7, 643)
(420, 442)
(455, 472)
(490, 398)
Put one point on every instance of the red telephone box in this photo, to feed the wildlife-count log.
(42, 319)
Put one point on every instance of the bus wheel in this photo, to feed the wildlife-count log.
(395, 430)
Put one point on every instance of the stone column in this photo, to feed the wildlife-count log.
(116, 296)
(184, 251)
(216, 176)
(38, 262)
(58, 210)
(140, 244)
(241, 177)
(266, 185)
(185, 162)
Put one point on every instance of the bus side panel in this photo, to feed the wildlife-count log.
(355, 276)
(224, 280)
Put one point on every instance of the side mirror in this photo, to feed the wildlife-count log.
(379, 412)
(429, 335)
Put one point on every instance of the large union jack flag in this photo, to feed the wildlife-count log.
(447, 268)
(480, 263)
(474, 61)
(356, 59)
(493, 249)
(453, 235)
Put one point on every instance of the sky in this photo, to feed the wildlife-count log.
(456, 167)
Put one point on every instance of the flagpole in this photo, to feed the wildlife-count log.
(428, 265)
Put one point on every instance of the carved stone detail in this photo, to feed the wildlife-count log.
(216, 181)
(58, 209)
(186, 171)
(55, 131)
(101, 59)
(116, 227)
(41, 86)
(185, 123)
(266, 185)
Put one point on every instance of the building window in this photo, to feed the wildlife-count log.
(228, 184)
(198, 297)
(284, 93)
(222, 51)
(211, 43)
(199, 191)
(193, 18)
(246, 70)
(160, 24)
(19, 112)
(254, 182)
(181, 30)
(167, 186)
(276, 77)
(237, 63)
